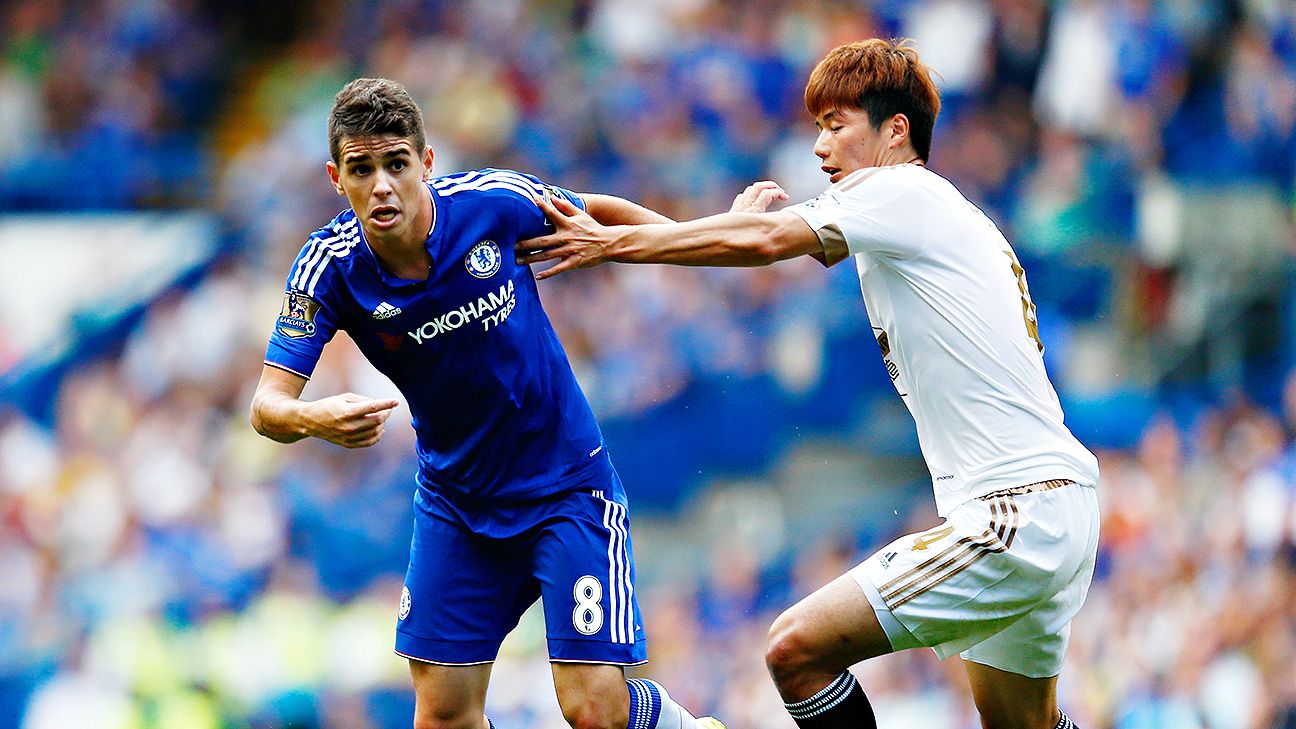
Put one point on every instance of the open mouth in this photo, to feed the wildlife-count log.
(831, 171)
(384, 215)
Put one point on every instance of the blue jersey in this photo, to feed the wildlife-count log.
(498, 414)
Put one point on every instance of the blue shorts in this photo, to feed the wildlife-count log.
(474, 570)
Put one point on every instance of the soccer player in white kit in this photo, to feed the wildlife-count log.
(999, 580)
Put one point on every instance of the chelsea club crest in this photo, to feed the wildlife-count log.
(484, 260)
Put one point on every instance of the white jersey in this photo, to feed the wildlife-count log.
(953, 317)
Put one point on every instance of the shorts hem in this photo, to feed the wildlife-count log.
(440, 663)
(446, 652)
(1017, 670)
(589, 651)
(599, 663)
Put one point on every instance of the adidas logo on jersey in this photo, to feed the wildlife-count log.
(385, 311)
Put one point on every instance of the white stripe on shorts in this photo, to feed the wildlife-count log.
(620, 591)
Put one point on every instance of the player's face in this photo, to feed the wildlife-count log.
(382, 177)
(848, 142)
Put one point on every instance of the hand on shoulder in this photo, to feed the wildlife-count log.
(758, 197)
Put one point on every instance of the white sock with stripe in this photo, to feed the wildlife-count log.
(652, 708)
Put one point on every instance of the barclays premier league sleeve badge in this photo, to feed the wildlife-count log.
(484, 260)
(297, 318)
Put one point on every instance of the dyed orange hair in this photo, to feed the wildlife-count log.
(881, 77)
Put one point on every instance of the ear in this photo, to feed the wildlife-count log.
(899, 131)
(333, 177)
(427, 162)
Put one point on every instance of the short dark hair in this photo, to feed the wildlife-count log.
(369, 107)
(883, 78)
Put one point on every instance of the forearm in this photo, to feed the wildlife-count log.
(610, 210)
(280, 417)
(728, 239)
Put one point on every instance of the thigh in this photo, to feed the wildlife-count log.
(585, 566)
(463, 591)
(450, 696)
(833, 628)
(1011, 701)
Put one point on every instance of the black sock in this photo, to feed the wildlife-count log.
(1065, 722)
(840, 705)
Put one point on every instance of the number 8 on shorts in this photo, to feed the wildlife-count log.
(587, 617)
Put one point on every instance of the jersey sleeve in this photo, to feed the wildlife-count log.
(531, 220)
(306, 322)
(870, 216)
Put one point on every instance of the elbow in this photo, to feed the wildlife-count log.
(751, 254)
(254, 417)
(766, 251)
(771, 244)
(273, 414)
(262, 423)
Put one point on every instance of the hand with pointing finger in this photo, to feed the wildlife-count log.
(349, 420)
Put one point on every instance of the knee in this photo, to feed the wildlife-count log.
(597, 712)
(787, 651)
(431, 719)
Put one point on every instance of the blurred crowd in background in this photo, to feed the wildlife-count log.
(161, 565)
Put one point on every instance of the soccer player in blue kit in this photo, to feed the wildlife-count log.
(516, 497)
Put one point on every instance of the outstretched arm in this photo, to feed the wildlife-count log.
(728, 239)
(349, 420)
(611, 210)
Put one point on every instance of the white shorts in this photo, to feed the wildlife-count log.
(997, 583)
